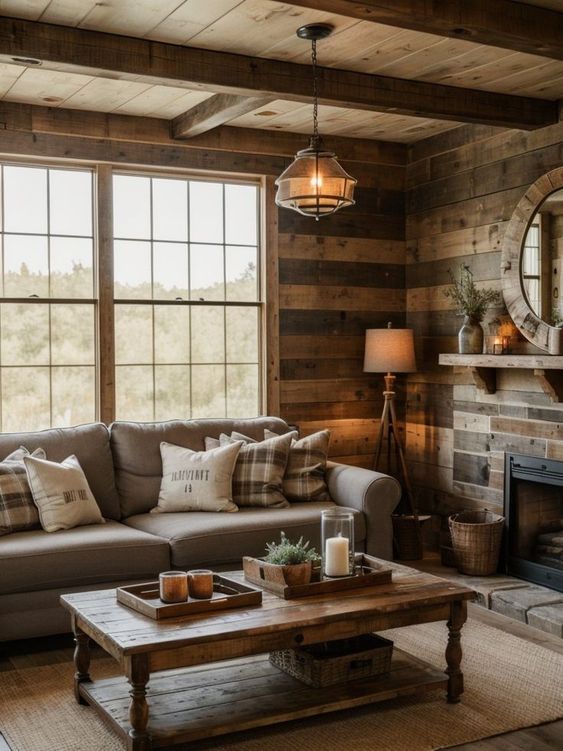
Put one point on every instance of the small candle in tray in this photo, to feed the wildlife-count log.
(201, 583)
(337, 560)
(173, 586)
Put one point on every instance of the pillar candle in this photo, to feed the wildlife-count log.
(337, 556)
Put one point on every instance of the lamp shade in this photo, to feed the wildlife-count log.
(389, 351)
(315, 184)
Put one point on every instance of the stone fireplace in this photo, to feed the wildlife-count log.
(534, 519)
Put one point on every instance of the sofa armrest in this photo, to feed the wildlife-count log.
(374, 494)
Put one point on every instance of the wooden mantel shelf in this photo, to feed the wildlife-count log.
(547, 369)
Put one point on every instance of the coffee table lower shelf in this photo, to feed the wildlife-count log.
(190, 704)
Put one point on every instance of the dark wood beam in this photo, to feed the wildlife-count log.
(213, 112)
(502, 23)
(58, 121)
(98, 53)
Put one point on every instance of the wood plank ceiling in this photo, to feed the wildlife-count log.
(266, 29)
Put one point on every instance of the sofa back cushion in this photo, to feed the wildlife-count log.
(89, 443)
(136, 452)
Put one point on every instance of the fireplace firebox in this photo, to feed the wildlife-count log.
(533, 504)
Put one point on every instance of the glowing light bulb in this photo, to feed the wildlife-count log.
(317, 181)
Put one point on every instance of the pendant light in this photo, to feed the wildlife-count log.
(315, 184)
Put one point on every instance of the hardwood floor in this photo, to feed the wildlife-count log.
(548, 737)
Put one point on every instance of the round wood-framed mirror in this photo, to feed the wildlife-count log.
(531, 267)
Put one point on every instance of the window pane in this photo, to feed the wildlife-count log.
(132, 270)
(208, 390)
(170, 209)
(242, 282)
(208, 334)
(72, 335)
(170, 271)
(70, 198)
(131, 207)
(26, 266)
(240, 214)
(71, 267)
(133, 334)
(242, 335)
(242, 390)
(134, 393)
(172, 392)
(25, 199)
(171, 334)
(73, 392)
(25, 399)
(206, 212)
(24, 334)
(206, 272)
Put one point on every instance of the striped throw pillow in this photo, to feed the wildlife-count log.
(304, 478)
(259, 471)
(17, 510)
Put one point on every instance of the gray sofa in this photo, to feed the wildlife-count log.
(123, 467)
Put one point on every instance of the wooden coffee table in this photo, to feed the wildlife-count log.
(189, 698)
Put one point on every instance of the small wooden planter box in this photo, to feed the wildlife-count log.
(321, 665)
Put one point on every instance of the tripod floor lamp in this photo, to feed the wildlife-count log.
(391, 351)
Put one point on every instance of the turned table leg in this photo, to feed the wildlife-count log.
(81, 661)
(454, 653)
(138, 675)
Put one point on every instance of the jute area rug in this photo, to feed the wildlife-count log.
(510, 684)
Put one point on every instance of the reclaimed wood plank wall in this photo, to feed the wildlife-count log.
(338, 277)
(462, 188)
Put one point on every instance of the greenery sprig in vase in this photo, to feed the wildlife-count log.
(296, 559)
(472, 303)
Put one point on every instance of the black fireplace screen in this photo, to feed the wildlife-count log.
(534, 514)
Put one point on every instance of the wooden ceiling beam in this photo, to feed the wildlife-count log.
(213, 112)
(35, 119)
(97, 53)
(502, 23)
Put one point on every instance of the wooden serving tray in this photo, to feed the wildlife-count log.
(370, 572)
(144, 598)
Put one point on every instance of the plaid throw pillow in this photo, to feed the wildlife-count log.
(17, 510)
(258, 476)
(304, 478)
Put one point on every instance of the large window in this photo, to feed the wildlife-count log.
(186, 261)
(47, 311)
(187, 298)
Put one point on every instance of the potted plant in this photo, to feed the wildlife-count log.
(295, 559)
(472, 303)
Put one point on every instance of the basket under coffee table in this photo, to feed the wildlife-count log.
(190, 699)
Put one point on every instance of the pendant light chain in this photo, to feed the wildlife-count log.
(315, 139)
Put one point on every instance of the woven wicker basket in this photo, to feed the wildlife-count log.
(340, 661)
(476, 539)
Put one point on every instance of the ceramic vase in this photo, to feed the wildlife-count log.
(470, 337)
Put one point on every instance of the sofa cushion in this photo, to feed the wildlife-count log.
(136, 452)
(196, 480)
(74, 557)
(61, 493)
(203, 538)
(89, 443)
(17, 510)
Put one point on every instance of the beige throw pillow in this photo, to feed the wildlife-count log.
(304, 478)
(61, 494)
(259, 471)
(197, 480)
(17, 510)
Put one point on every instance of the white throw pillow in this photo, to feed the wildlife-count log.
(197, 480)
(61, 493)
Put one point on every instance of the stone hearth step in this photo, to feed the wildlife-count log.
(517, 603)
(547, 617)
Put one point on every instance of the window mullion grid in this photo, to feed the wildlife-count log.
(2, 288)
(50, 334)
(190, 325)
(151, 215)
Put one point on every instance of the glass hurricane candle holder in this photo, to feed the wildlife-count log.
(201, 583)
(337, 540)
